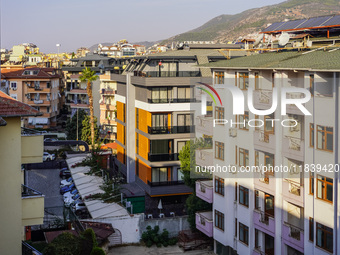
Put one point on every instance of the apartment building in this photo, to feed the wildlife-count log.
(39, 88)
(21, 205)
(275, 212)
(155, 120)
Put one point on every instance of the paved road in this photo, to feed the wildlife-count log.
(142, 250)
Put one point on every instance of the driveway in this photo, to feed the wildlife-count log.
(142, 250)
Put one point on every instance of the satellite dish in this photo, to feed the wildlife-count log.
(258, 39)
(284, 39)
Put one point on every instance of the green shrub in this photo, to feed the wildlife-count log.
(97, 251)
(151, 236)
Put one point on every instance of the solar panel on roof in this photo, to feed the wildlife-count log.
(333, 21)
(292, 24)
(274, 26)
(314, 22)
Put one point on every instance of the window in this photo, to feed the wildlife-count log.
(244, 118)
(48, 84)
(311, 135)
(257, 241)
(257, 158)
(269, 123)
(14, 85)
(48, 97)
(324, 237)
(161, 95)
(257, 84)
(269, 162)
(311, 84)
(47, 109)
(219, 112)
(219, 77)
(235, 231)
(160, 120)
(324, 138)
(184, 94)
(324, 188)
(185, 120)
(219, 186)
(311, 229)
(219, 150)
(180, 175)
(257, 200)
(311, 183)
(243, 81)
(244, 233)
(209, 109)
(244, 196)
(159, 174)
(219, 220)
(243, 157)
(235, 191)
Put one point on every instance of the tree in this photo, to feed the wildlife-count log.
(188, 163)
(71, 125)
(86, 131)
(89, 76)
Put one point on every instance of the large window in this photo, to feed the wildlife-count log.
(243, 81)
(219, 112)
(269, 123)
(184, 94)
(243, 157)
(185, 120)
(219, 77)
(325, 188)
(160, 120)
(311, 229)
(219, 150)
(219, 220)
(243, 196)
(324, 138)
(161, 95)
(14, 85)
(243, 233)
(159, 174)
(324, 237)
(244, 120)
(219, 186)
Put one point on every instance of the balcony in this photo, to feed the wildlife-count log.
(29, 250)
(204, 125)
(171, 100)
(204, 222)
(166, 183)
(32, 149)
(32, 206)
(38, 90)
(263, 99)
(293, 192)
(164, 188)
(77, 91)
(264, 141)
(204, 190)
(171, 130)
(167, 74)
(291, 108)
(293, 236)
(108, 92)
(293, 148)
(264, 222)
(204, 157)
(163, 157)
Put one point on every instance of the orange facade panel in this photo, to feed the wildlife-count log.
(144, 120)
(121, 154)
(121, 111)
(144, 146)
(144, 172)
(121, 133)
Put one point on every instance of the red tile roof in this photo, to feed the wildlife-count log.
(43, 73)
(9, 107)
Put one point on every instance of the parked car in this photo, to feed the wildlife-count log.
(70, 200)
(65, 173)
(50, 139)
(65, 189)
(74, 202)
(70, 194)
(79, 207)
(48, 157)
(66, 182)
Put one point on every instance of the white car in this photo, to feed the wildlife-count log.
(66, 182)
(69, 194)
(80, 206)
(48, 157)
(71, 200)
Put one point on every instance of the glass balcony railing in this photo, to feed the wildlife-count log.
(29, 192)
(163, 157)
(171, 130)
(171, 100)
(168, 74)
(166, 183)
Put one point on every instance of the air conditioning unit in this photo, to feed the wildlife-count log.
(232, 132)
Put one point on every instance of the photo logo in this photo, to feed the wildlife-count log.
(209, 93)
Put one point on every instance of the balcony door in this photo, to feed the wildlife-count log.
(160, 122)
(269, 245)
(184, 121)
(269, 205)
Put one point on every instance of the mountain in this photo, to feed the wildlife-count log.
(230, 27)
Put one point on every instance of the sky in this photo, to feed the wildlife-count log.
(77, 23)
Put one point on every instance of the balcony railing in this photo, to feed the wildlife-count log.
(166, 183)
(171, 130)
(294, 232)
(163, 157)
(171, 100)
(29, 192)
(29, 250)
(168, 74)
(38, 101)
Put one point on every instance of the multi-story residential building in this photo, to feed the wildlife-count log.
(21, 205)
(103, 90)
(294, 211)
(39, 88)
(155, 120)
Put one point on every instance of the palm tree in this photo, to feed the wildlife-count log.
(89, 76)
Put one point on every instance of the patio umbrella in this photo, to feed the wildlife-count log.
(160, 206)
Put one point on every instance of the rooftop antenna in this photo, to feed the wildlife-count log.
(284, 39)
